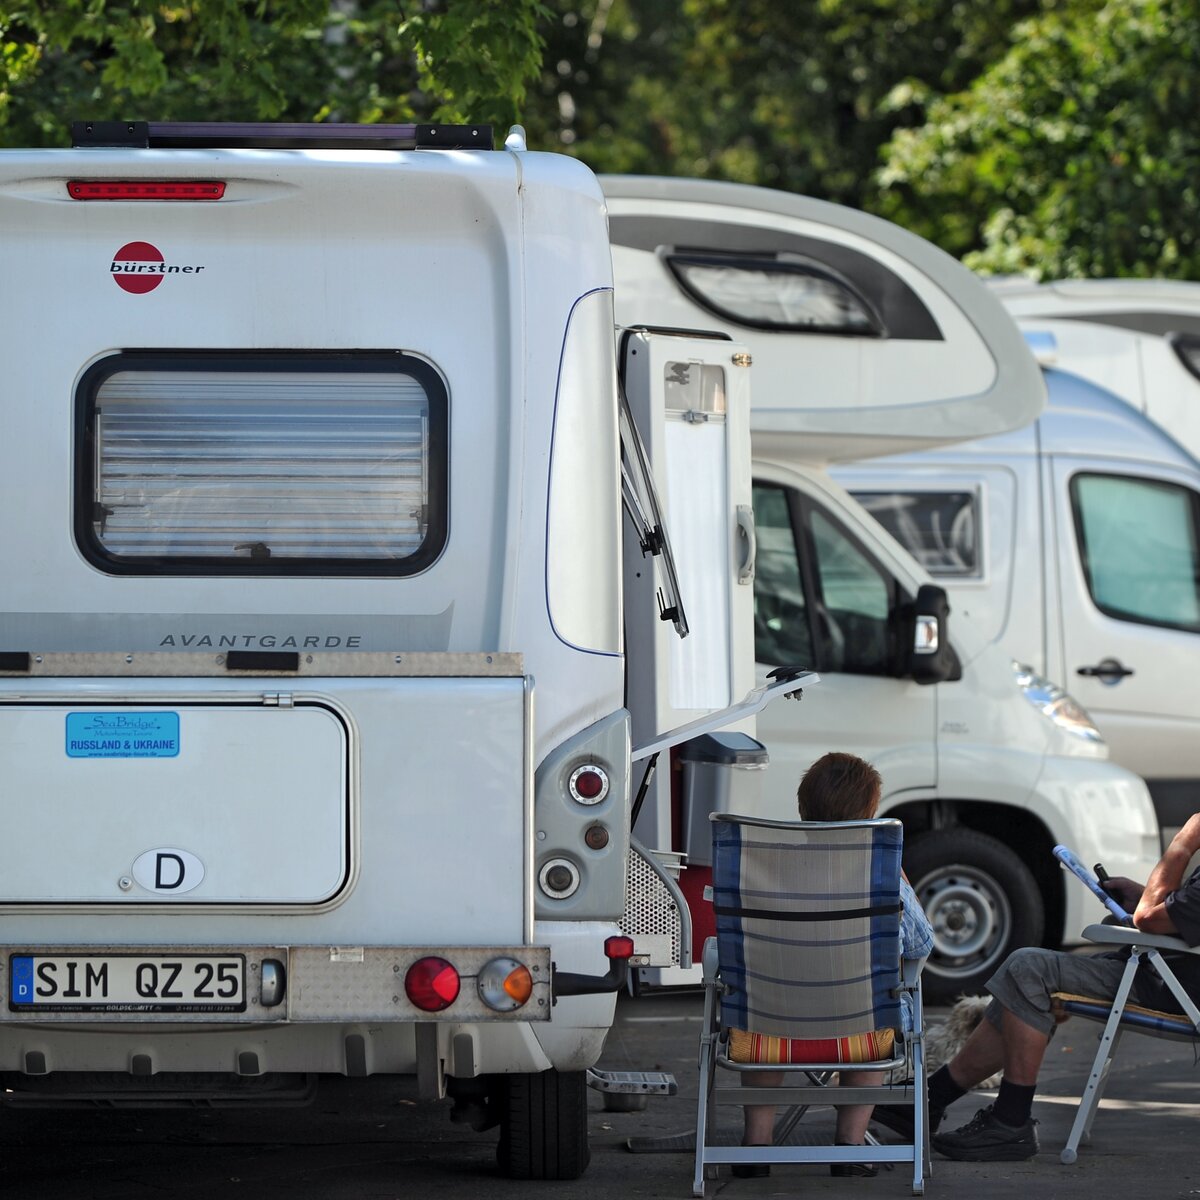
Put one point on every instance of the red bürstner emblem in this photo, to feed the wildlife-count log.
(139, 267)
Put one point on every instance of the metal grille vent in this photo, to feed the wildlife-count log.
(652, 915)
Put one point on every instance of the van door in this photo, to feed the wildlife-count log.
(1129, 574)
(822, 600)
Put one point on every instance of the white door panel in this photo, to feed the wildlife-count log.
(1131, 600)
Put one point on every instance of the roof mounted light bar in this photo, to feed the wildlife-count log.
(254, 135)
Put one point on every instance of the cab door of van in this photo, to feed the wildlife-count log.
(1128, 567)
(823, 599)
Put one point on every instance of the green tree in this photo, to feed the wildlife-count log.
(798, 95)
(1077, 154)
(303, 60)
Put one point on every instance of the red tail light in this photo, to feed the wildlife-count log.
(431, 984)
(145, 189)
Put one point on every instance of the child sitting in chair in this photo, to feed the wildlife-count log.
(841, 787)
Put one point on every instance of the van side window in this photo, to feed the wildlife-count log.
(261, 464)
(855, 602)
(939, 529)
(819, 600)
(1139, 547)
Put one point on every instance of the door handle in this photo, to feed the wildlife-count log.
(1107, 670)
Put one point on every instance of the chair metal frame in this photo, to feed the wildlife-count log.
(907, 1064)
(1147, 948)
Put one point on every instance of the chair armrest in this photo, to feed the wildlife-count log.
(1123, 935)
(709, 958)
(910, 971)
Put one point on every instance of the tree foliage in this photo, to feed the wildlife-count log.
(1077, 154)
(303, 60)
(799, 95)
(1052, 137)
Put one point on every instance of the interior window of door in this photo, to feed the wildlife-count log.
(782, 631)
(1138, 544)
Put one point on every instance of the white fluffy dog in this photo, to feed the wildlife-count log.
(944, 1039)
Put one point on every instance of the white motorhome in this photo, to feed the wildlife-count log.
(313, 729)
(866, 340)
(1074, 543)
(1137, 338)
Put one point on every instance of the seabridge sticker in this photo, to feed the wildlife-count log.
(139, 267)
(122, 735)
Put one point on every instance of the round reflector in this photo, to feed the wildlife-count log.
(431, 984)
(505, 984)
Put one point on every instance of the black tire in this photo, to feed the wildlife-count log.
(544, 1126)
(982, 902)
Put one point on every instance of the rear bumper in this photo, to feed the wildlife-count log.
(320, 984)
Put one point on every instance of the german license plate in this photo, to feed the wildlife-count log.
(135, 983)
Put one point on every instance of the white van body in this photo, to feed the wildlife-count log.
(985, 779)
(1073, 544)
(313, 728)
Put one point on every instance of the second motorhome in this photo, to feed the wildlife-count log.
(866, 341)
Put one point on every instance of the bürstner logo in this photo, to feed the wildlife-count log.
(139, 267)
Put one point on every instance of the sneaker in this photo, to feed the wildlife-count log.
(986, 1139)
(899, 1118)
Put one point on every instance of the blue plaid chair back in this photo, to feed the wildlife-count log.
(808, 925)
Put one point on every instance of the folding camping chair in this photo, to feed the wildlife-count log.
(805, 976)
(1119, 1015)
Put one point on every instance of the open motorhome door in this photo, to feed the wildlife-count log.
(866, 339)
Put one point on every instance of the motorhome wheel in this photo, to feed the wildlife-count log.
(543, 1129)
(982, 902)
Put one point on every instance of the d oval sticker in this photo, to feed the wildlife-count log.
(169, 871)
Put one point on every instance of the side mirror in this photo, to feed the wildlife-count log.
(932, 658)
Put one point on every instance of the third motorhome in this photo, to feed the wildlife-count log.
(866, 340)
(1073, 543)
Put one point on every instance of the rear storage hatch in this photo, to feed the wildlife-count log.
(189, 802)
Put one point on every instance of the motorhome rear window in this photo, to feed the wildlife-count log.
(939, 529)
(261, 464)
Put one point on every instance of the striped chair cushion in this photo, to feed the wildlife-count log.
(1147, 1019)
(747, 1047)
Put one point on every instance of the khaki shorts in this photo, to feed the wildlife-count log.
(1028, 978)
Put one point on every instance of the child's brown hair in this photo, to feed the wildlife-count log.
(839, 787)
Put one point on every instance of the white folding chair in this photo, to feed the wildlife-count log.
(805, 977)
(1120, 1015)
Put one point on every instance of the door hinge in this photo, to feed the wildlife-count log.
(279, 699)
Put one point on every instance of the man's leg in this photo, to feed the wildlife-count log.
(1019, 1024)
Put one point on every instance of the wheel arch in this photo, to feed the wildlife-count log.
(1022, 831)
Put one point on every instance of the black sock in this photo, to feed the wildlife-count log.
(943, 1091)
(1014, 1104)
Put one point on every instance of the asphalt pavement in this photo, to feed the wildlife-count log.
(364, 1139)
